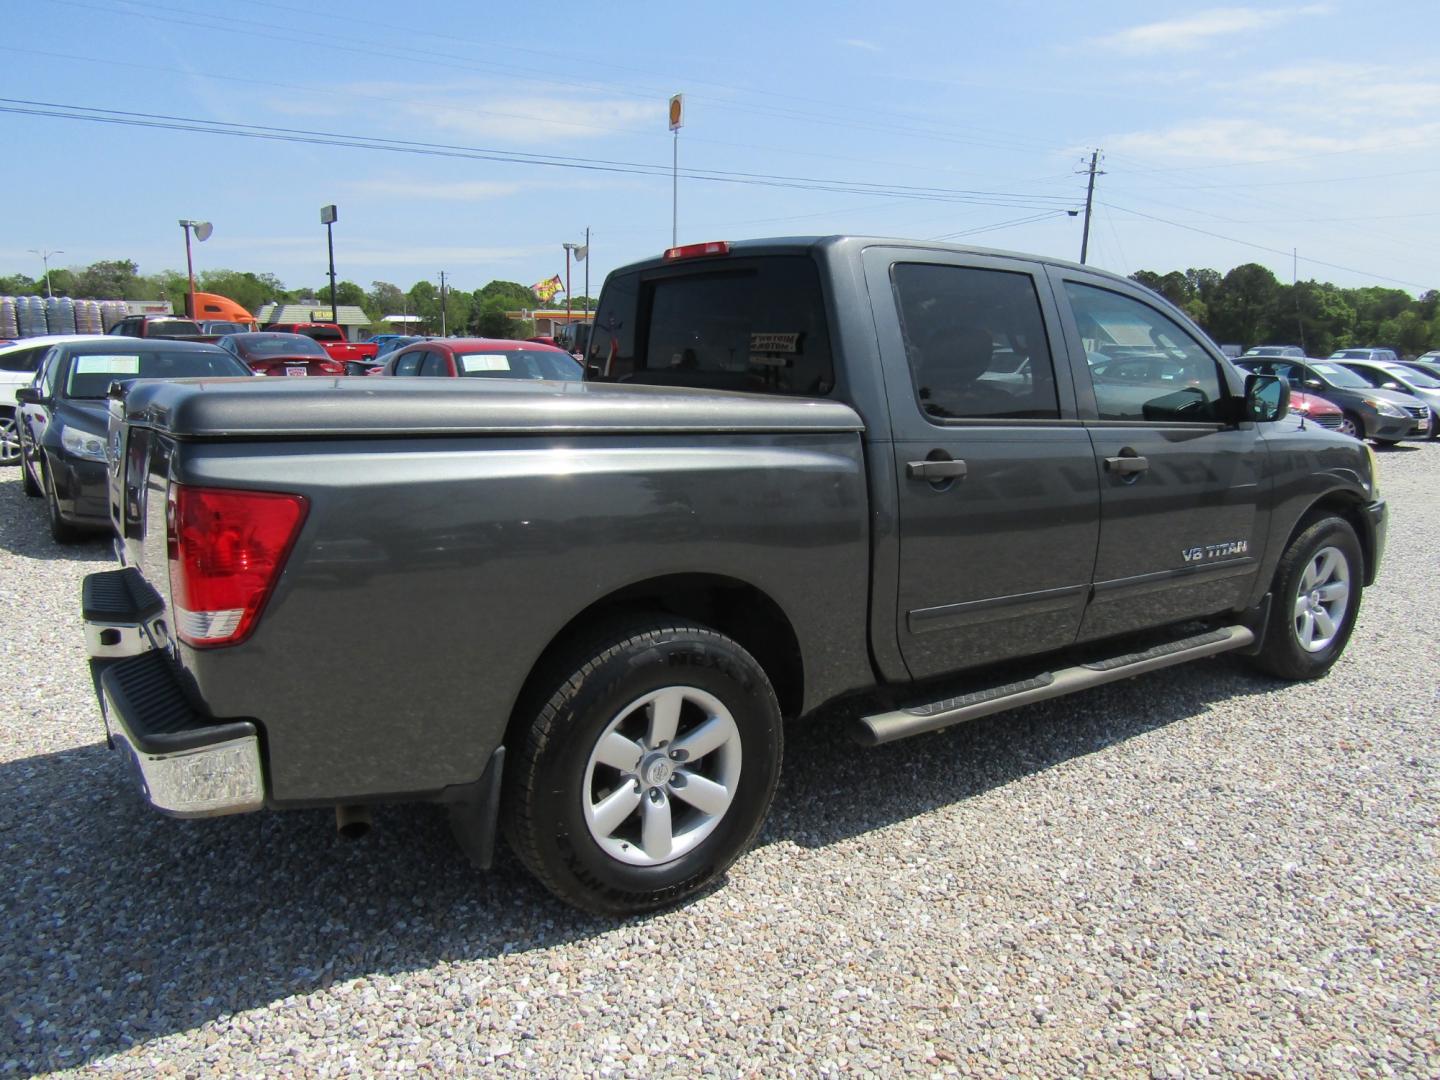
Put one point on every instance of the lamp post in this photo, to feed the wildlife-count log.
(45, 254)
(203, 229)
(328, 217)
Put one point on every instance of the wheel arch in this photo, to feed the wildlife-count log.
(737, 609)
(1350, 507)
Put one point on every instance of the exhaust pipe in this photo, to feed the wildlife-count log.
(352, 822)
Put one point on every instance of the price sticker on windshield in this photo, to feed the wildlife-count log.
(485, 362)
(107, 365)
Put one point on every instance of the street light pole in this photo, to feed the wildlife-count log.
(45, 254)
(203, 229)
(328, 217)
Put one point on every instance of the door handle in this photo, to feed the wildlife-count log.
(936, 470)
(1127, 464)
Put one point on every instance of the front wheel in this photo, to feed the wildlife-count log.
(61, 531)
(28, 482)
(1352, 425)
(1314, 601)
(648, 770)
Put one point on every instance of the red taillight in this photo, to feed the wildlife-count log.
(332, 367)
(227, 549)
(695, 251)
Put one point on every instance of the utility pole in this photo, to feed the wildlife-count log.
(1089, 201)
(444, 332)
(1295, 290)
(587, 271)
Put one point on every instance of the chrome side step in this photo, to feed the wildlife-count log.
(901, 723)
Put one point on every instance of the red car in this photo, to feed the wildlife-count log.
(281, 354)
(1325, 413)
(484, 358)
(332, 338)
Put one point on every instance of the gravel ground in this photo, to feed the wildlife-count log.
(1200, 871)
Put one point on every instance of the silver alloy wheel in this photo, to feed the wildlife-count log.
(1322, 599)
(662, 775)
(9, 439)
(1349, 427)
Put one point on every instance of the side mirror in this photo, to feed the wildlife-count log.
(1267, 399)
(1390, 386)
(28, 395)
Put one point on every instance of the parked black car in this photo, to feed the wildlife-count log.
(63, 418)
(1387, 416)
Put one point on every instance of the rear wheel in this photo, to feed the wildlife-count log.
(1314, 601)
(9, 438)
(648, 770)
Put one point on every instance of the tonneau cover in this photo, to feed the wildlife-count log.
(370, 406)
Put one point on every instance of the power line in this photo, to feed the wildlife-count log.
(1263, 247)
(54, 110)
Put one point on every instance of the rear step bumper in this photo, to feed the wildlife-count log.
(116, 605)
(188, 764)
(901, 723)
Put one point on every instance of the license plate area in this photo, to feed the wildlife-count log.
(297, 371)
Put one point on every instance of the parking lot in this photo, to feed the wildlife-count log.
(1197, 871)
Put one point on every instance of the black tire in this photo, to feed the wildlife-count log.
(1352, 425)
(553, 781)
(1283, 653)
(61, 531)
(27, 477)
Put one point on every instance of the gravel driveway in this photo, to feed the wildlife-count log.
(1197, 871)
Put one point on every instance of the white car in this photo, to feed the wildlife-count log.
(18, 363)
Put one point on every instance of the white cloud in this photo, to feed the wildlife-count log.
(1193, 31)
(1345, 91)
(860, 43)
(543, 114)
(1227, 141)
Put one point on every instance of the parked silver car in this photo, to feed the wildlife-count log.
(1396, 376)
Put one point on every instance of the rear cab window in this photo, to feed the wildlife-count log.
(753, 324)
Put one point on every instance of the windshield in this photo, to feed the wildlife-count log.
(1342, 376)
(1351, 354)
(158, 327)
(517, 364)
(280, 345)
(90, 376)
(1408, 375)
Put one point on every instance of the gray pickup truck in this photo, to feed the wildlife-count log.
(899, 484)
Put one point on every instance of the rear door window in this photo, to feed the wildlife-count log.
(756, 325)
(409, 363)
(434, 364)
(975, 340)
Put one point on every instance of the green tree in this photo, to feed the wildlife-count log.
(109, 279)
(250, 291)
(20, 285)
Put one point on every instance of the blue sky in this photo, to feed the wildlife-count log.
(1309, 126)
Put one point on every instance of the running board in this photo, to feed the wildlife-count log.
(901, 723)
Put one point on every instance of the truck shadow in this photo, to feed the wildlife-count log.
(122, 927)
